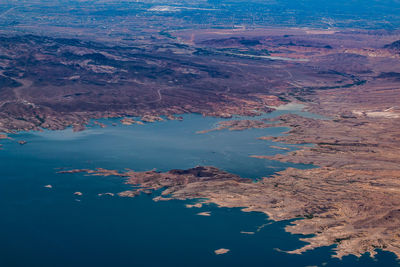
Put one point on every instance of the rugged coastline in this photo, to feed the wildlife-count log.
(350, 199)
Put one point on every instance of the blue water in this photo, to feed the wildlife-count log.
(53, 227)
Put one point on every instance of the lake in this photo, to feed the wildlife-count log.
(53, 227)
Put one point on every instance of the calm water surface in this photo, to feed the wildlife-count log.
(53, 227)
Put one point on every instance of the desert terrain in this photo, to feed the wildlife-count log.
(351, 76)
